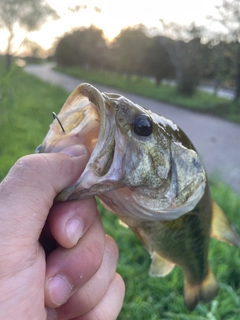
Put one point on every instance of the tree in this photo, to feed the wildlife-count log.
(34, 52)
(84, 47)
(184, 53)
(229, 17)
(26, 14)
(157, 61)
(219, 63)
(129, 50)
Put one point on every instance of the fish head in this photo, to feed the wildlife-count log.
(132, 149)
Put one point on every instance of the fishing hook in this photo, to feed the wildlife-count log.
(56, 117)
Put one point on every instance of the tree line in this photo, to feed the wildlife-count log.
(134, 52)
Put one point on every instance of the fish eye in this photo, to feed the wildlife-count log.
(142, 125)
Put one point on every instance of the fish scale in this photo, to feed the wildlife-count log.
(146, 171)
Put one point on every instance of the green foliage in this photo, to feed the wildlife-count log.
(157, 61)
(83, 47)
(6, 90)
(25, 117)
(26, 104)
(134, 52)
(228, 17)
(200, 101)
(128, 51)
(185, 57)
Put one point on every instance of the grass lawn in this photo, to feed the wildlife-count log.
(200, 101)
(26, 104)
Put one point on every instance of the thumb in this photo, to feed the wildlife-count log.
(28, 191)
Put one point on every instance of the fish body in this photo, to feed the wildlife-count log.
(147, 172)
(183, 241)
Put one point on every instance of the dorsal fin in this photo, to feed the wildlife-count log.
(160, 267)
(222, 229)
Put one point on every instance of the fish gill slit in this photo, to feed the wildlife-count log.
(104, 162)
(110, 156)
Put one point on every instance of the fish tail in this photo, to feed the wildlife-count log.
(204, 291)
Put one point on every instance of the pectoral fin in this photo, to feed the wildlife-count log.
(222, 229)
(160, 267)
(123, 224)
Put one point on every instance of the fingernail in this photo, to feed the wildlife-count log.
(51, 314)
(74, 230)
(75, 151)
(59, 289)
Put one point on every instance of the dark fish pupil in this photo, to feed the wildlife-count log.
(142, 125)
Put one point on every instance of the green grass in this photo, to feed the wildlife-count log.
(26, 104)
(200, 101)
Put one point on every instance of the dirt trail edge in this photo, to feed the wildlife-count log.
(217, 140)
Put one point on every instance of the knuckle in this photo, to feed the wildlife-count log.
(95, 254)
(23, 165)
(28, 165)
(112, 247)
(18, 175)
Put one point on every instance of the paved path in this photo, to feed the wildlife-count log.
(221, 92)
(217, 140)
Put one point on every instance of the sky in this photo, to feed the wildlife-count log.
(116, 15)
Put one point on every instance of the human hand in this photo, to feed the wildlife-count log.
(77, 280)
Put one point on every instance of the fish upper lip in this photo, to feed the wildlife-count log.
(102, 155)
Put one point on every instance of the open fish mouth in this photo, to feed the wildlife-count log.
(88, 118)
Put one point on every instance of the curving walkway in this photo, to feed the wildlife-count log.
(217, 140)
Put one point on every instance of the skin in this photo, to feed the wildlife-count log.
(77, 280)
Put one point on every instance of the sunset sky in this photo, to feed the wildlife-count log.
(116, 15)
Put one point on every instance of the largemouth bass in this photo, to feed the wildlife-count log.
(146, 171)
